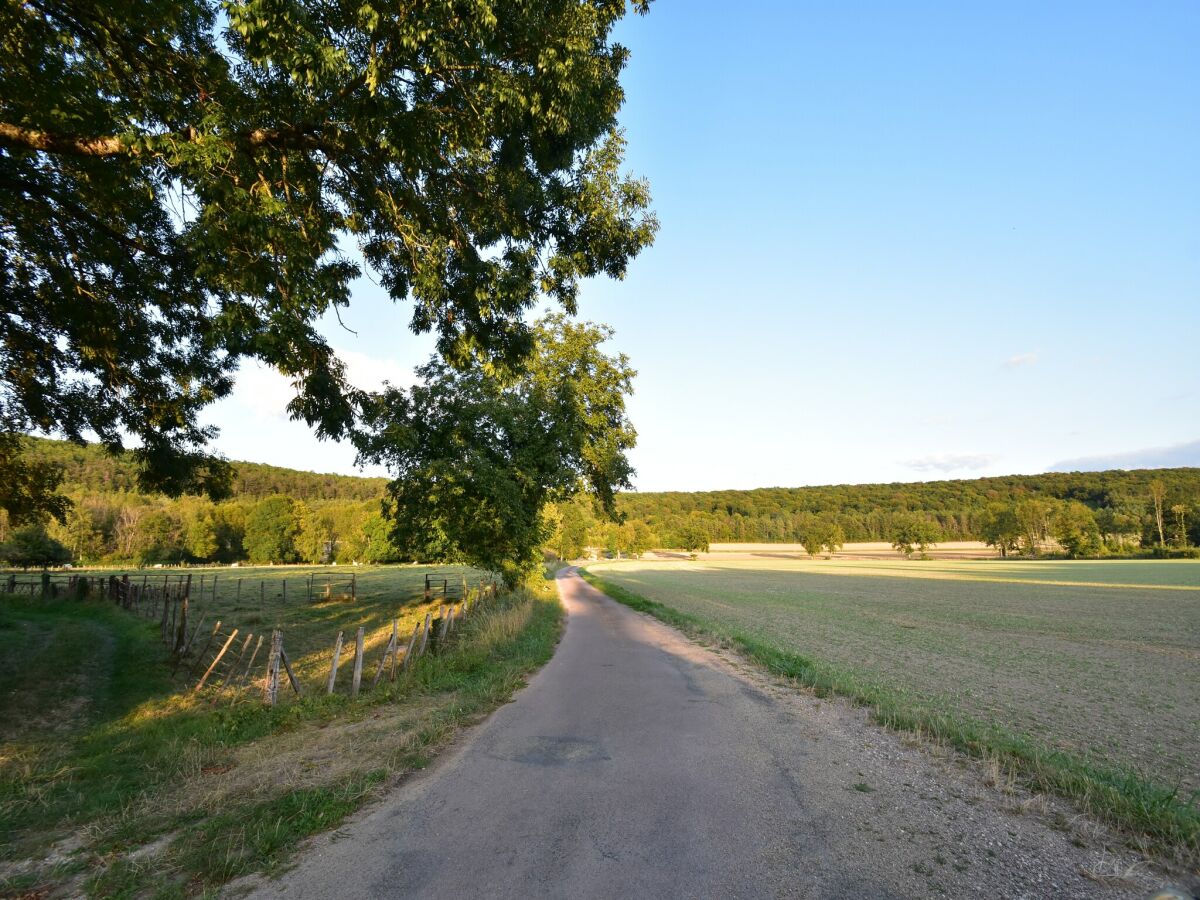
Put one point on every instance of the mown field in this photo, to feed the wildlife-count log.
(115, 778)
(1098, 661)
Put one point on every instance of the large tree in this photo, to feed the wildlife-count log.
(478, 454)
(186, 183)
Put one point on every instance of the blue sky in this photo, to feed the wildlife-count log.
(899, 242)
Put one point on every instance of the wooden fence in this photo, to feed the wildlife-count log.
(224, 657)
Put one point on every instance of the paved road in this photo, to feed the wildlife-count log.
(636, 764)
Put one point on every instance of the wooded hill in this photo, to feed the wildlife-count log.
(89, 468)
(866, 512)
(284, 515)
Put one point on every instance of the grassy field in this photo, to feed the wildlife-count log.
(114, 779)
(1085, 674)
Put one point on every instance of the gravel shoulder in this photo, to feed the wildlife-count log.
(638, 762)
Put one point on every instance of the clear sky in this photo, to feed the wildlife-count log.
(899, 242)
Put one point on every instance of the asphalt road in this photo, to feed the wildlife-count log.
(637, 764)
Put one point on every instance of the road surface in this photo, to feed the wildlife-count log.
(638, 764)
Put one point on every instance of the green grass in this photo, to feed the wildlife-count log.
(1089, 692)
(100, 748)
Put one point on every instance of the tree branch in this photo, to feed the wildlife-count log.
(15, 136)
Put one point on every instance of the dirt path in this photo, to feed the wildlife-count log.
(639, 764)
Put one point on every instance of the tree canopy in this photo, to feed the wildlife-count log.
(186, 183)
(478, 454)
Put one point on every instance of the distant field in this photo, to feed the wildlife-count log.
(1099, 659)
(871, 550)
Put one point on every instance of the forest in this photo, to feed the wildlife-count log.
(1127, 508)
(283, 515)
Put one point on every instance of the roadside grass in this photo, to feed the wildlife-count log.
(113, 783)
(1157, 817)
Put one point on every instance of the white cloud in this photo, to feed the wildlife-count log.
(1186, 454)
(1020, 359)
(951, 462)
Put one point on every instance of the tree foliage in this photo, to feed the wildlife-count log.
(187, 183)
(479, 454)
(30, 546)
(272, 530)
(914, 533)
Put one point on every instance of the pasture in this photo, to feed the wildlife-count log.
(1099, 660)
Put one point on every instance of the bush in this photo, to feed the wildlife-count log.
(30, 547)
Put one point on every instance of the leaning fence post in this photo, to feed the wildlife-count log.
(203, 652)
(444, 624)
(287, 667)
(358, 661)
(425, 634)
(337, 655)
(250, 665)
(412, 643)
(231, 675)
(216, 659)
(390, 650)
(271, 692)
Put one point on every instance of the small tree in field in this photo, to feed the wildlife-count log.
(1000, 528)
(832, 538)
(693, 537)
(913, 534)
(1075, 529)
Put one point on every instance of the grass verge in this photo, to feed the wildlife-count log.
(138, 790)
(1156, 817)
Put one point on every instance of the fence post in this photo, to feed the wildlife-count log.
(250, 665)
(181, 631)
(285, 590)
(237, 663)
(287, 667)
(337, 655)
(216, 660)
(239, 591)
(443, 625)
(353, 586)
(211, 638)
(425, 634)
(271, 692)
(214, 589)
(408, 651)
(390, 650)
(358, 661)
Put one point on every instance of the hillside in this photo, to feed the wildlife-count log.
(112, 521)
(90, 468)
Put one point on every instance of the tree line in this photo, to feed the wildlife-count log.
(282, 515)
(1084, 513)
